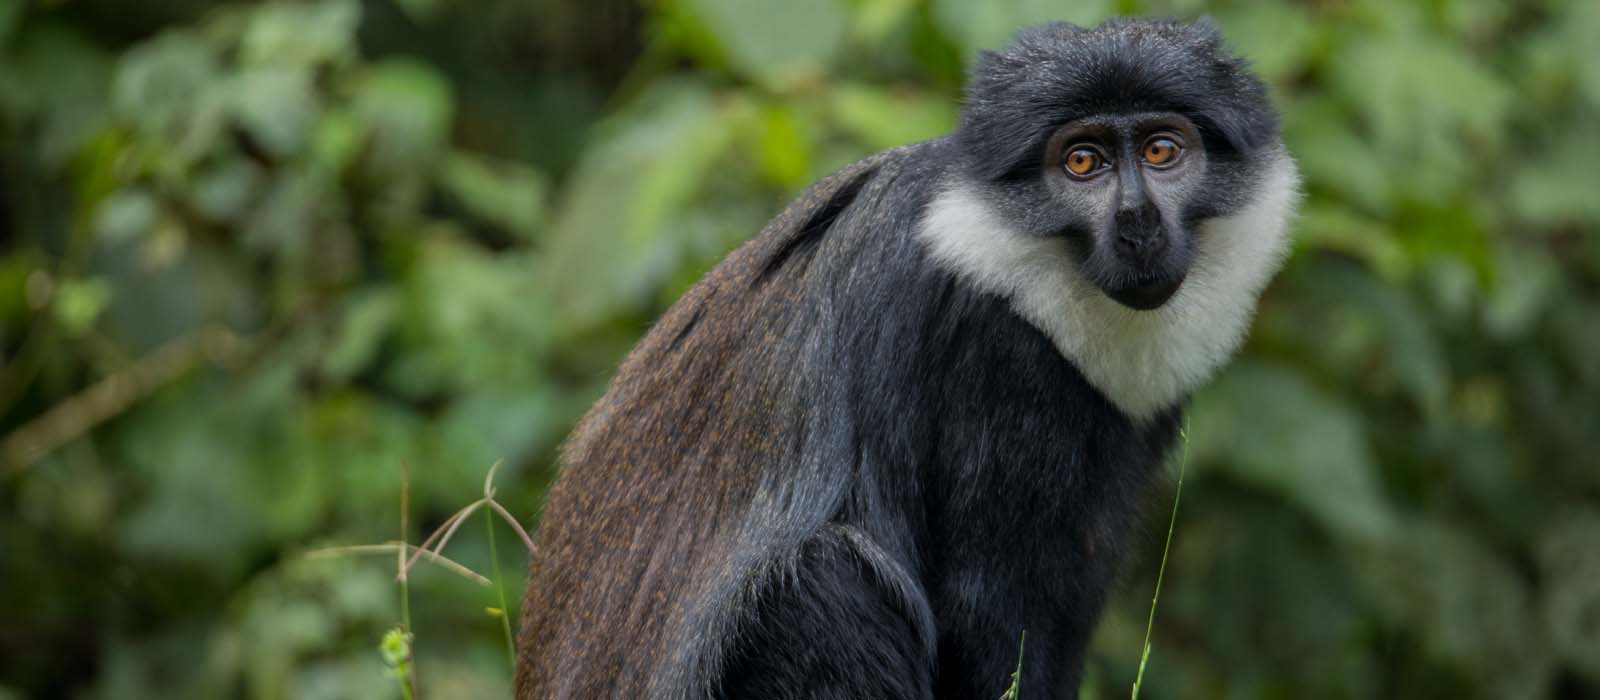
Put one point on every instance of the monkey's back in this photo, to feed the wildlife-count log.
(645, 534)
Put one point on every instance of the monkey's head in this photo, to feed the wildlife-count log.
(1126, 189)
(1122, 139)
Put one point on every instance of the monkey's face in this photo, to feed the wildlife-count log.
(1124, 186)
(1126, 189)
(1123, 140)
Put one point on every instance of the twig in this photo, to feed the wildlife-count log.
(111, 396)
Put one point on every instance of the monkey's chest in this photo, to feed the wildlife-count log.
(1030, 545)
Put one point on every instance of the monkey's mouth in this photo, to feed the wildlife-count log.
(1145, 296)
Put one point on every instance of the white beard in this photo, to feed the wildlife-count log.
(1143, 361)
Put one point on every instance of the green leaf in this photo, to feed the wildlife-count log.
(1569, 565)
(301, 34)
(1419, 97)
(1334, 228)
(408, 107)
(1556, 185)
(277, 106)
(126, 214)
(776, 42)
(886, 119)
(225, 191)
(1274, 36)
(504, 193)
(79, 302)
(609, 242)
(170, 88)
(10, 17)
(366, 321)
(57, 79)
(875, 20)
(1469, 606)
(1267, 426)
(1333, 156)
(989, 25)
(785, 147)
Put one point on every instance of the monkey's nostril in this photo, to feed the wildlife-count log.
(1144, 247)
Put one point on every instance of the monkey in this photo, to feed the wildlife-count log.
(917, 415)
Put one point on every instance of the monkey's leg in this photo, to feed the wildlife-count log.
(843, 624)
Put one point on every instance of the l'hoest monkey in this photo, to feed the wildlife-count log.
(917, 414)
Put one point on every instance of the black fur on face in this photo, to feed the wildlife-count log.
(1115, 89)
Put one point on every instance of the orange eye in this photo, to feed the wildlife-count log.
(1083, 161)
(1161, 151)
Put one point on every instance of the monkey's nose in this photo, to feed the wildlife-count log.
(1141, 247)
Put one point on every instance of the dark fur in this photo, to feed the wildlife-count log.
(832, 470)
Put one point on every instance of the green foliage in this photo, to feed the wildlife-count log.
(258, 255)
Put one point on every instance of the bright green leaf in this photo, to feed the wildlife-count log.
(990, 24)
(776, 41)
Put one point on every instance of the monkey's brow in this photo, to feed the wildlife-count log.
(1111, 121)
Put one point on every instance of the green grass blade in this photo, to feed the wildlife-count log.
(1161, 573)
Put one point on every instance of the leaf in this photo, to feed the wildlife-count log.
(366, 321)
(1556, 185)
(79, 302)
(776, 42)
(502, 192)
(886, 119)
(56, 79)
(408, 107)
(1275, 36)
(989, 25)
(1267, 426)
(875, 19)
(1467, 605)
(1419, 97)
(224, 192)
(1335, 228)
(1569, 564)
(609, 245)
(785, 147)
(276, 105)
(168, 88)
(1322, 134)
(126, 214)
(301, 34)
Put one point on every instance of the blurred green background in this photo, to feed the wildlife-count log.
(256, 256)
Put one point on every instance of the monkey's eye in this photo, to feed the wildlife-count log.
(1161, 151)
(1083, 162)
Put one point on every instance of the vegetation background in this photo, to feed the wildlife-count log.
(256, 256)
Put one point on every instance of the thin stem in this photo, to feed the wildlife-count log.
(511, 520)
(500, 590)
(1161, 573)
(445, 531)
(439, 560)
(408, 680)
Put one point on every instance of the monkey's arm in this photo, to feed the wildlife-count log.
(843, 623)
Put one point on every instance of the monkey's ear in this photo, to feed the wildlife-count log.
(1243, 130)
(998, 130)
(1204, 30)
(1244, 125)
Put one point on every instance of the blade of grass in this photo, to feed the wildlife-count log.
(500, 591)
(1161, 573)
(494, 563)
(1015, 691)
(408, 672)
